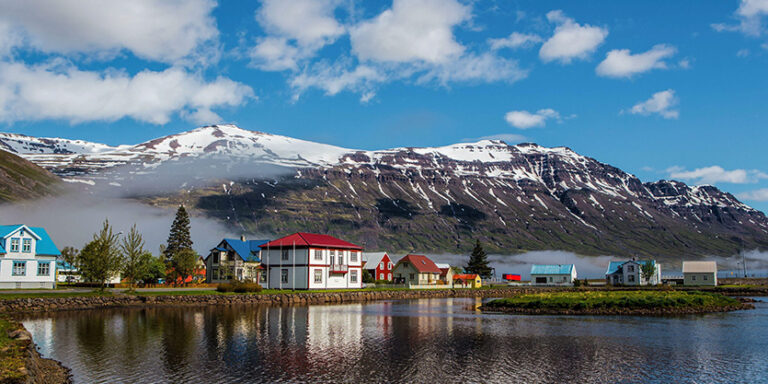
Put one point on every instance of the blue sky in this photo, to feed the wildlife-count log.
(660, 89)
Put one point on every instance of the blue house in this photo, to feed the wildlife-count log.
(27, 257)
(238, 259)
(553, 274)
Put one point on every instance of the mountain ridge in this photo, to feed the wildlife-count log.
(513, 197)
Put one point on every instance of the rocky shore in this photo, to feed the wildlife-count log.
(29, 367)
(618, 311)
(53, 304)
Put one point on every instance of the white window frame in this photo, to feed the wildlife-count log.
(353, 276)
(15, 244)
(47, 265)
(22, 268)
(284, 275)
(318, 254)
(318, 276)
(26, 245)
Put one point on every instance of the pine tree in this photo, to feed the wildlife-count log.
(179, 237)
(478, 262)
(134, 260)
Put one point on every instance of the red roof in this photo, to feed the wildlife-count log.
(444, 271)
(422, 263)
(303, 239)
(466, 276)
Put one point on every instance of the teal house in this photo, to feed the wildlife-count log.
(27, 258)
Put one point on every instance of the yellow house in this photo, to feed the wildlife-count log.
(416, 270)
(469, 280)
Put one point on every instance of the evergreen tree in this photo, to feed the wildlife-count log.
(183, 264)
(478, 262)
(100, 259)
(135, 262)
(179, 237)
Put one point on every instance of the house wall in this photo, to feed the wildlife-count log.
(307, 261)
(555, 279)
(412, 276)
(700, 278)
(384, 269)
(30, 279)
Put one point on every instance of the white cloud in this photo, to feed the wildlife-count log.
(515, 40)
(571, 40)
(336, 78)
(296, 29)
(161, 30)
(525, 119)
(742, 53)
(750, 14)
(622, 63)
(716, 174)
(484, 68)
(60, 91)
(412, 30)
(662, 103)
(756, 195)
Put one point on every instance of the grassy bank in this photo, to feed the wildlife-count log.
(616, 302)
(12, 354)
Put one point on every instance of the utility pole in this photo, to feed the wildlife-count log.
(293, 269)
(744, 263)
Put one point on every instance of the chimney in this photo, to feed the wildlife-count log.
(242, 237)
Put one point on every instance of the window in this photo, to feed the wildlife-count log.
(43, 268)
(704, 277)
(27, 246)
(353, 257)
(550, 279)
(693, 277)
(318, 276)
(318, 254)
(389, 266)
(19, 268)
(353, 276)
(14, 245)
(631, 278)
(215, 257)
(389, 276)
(412, 276)
(341, 260)
(284, 255)
(284, 276)
(630, 268)
(381, 276)
(263, 277)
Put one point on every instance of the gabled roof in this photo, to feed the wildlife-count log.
(44, 245)
(551, 269)
(372, 259)
(699, 267)
(465, 276)
(303, 239)
(613, 266)
(422, 263)
(248, 250)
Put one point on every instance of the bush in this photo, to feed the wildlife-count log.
(382, 282)
(239, 287)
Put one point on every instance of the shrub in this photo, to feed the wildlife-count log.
(239, 287)
(382, 282)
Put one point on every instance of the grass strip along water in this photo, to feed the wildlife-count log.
(616, 303)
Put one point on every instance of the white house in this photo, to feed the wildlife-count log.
(631, 273)
(312, 261)
(556, 274)
(235, 259)
(699, 273)
(27, 257)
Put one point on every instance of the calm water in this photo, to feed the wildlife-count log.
(431, 340)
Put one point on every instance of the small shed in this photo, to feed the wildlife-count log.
(699, 273)
(467, 280)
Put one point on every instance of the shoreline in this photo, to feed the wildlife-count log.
(88, 300)
(617, 311)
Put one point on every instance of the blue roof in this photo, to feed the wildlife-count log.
(551, 269)
(247, 250)
(613, 266)
(45, 245)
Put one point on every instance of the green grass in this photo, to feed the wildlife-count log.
(182, 292)
(52, 294)
(12, 354)
(614, 299)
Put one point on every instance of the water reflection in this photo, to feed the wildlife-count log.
(429, 340)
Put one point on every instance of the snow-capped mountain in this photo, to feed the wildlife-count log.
(513, 197)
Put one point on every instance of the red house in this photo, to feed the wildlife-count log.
(379, 265)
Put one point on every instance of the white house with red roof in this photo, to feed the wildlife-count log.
(312, 261)
(416, 270)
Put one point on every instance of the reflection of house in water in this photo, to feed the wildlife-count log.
(335, 329)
